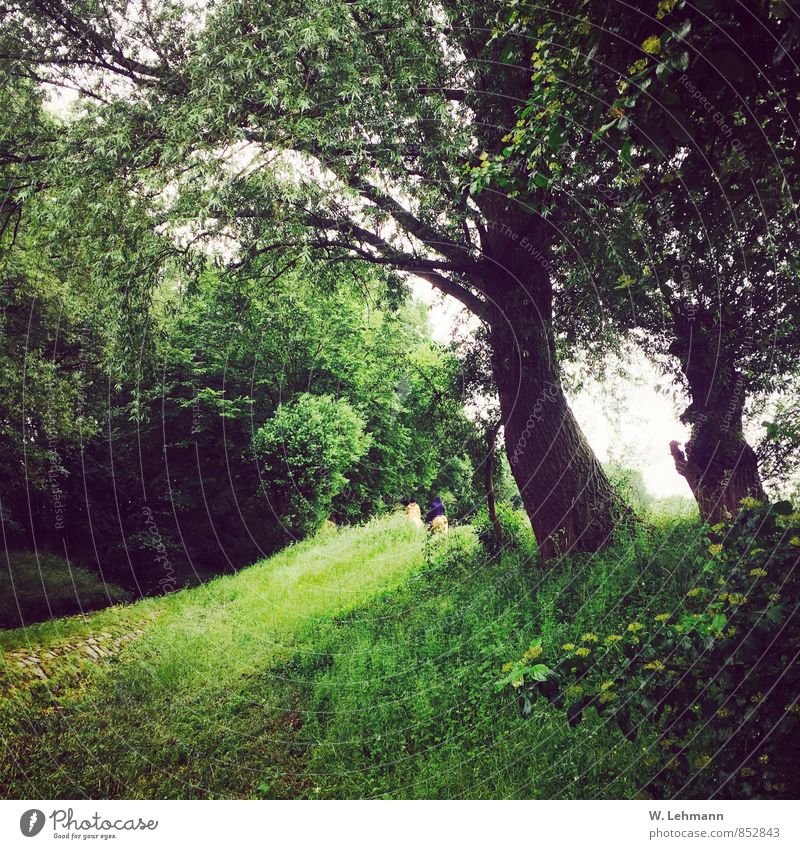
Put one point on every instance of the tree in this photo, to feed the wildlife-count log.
(372, 111)
(685, 116)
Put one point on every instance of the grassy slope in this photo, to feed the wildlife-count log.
(344, 667)
(184, 713)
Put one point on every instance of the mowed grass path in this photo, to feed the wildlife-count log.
(191, 708)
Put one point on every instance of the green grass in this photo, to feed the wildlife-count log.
(351, 665)
(400, 696)
(184, 714)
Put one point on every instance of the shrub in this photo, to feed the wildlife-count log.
(514, 524)
(305, 449)
(34, 588)
(721, 685)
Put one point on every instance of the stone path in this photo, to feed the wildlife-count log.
(41, 663)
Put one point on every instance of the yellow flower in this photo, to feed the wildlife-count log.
(758, 573)
(607, 696)
(795, 540)
(665, 7)
(589, 638)
(737, 599)
(606, 684)
(532, 653)
(635, 626)
(575, 690)
(723, 712)
(568, 646)
(693, 592)
(518, 683)
(507, 666)
(655, 665)
(613, 638)
(583, 652)
(715, 549)
(746, 771)
(638, 65)
(701, 761)
(651, 44)
(774, 596)
(662, 617)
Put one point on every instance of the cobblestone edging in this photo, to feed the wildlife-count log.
(41, 663)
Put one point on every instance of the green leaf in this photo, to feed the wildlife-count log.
(539, 672)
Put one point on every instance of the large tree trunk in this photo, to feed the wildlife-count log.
(717, 462)
(571, 505)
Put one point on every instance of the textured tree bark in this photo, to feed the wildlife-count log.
(719, 465)
(566, 494)
(571, 504)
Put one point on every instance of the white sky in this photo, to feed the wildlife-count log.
(634, 427)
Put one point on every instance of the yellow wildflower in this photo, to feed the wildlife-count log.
(638, 65)
(583, 652)
(589, 638)
(737, 599)
(613, 638)
(757, 573)
(701, 761)
(652, 44)
(715, 549)
(746, 771)
(635, 626)
(655, 665)
(568, 646)
(662, 617)
(606, 684)
(518, 683)
(532, 653)
(607, 696)
(665, 7)
(507, 666)
(694, 592)
(795, 540)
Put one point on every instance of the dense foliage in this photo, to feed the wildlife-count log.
(717, 677)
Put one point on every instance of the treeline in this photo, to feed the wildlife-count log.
(245, 410)
(580, 179)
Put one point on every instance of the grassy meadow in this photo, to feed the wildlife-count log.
(359, 663)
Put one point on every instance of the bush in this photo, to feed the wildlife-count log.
(34, 588)
(305, 449)
(515, 527)
(720, 685)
